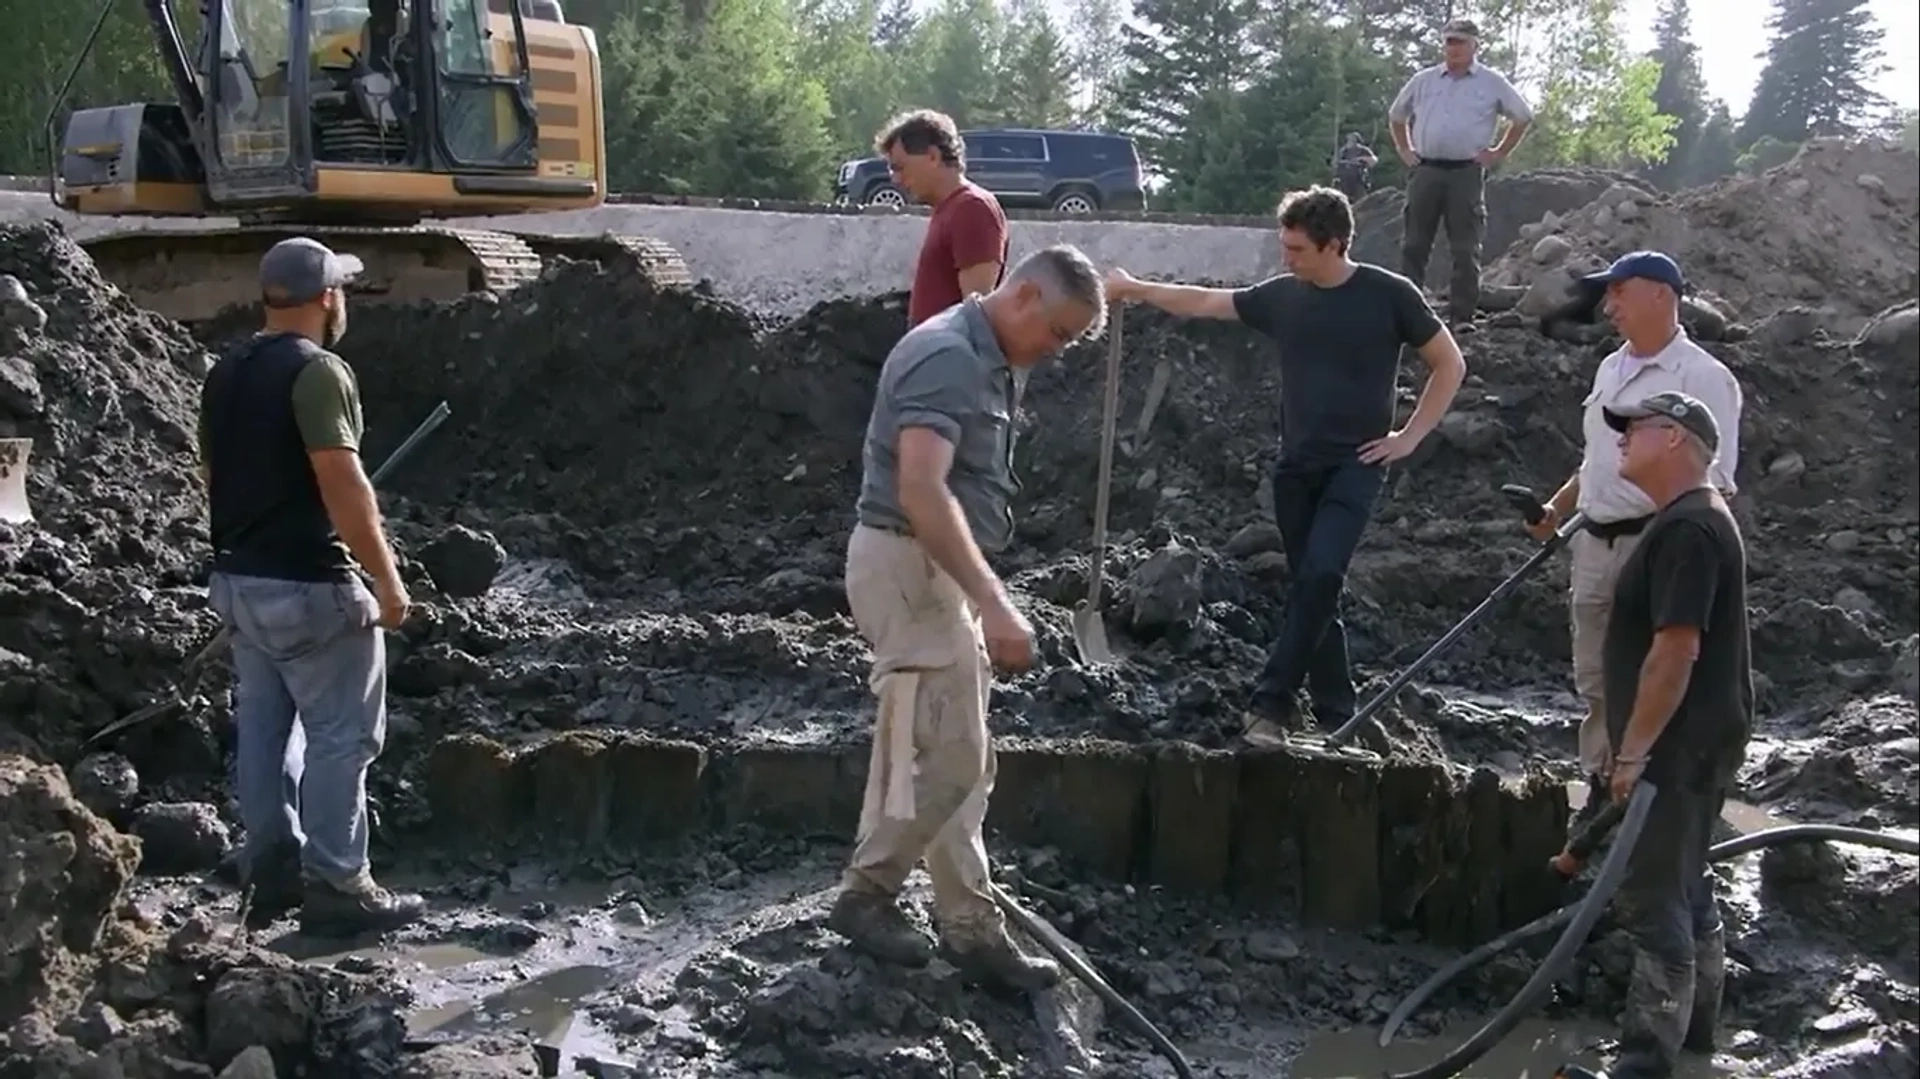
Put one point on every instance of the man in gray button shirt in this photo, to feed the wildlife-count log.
(938, 480)
(1443, 124)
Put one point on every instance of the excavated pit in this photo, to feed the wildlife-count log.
(627, 724)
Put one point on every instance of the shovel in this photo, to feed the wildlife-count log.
(13, 481)
(1089, 629)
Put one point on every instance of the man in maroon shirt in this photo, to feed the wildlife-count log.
(965, 250)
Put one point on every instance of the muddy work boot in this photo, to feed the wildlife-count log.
(1709, 985)
(996, 958)
(874, 923)
(271, 889)
(356, 907)
(1268, 723)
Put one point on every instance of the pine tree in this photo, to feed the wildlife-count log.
(1681, 92)
(1823, 55)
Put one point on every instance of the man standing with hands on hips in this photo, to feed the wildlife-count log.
(1340, 327)
(1640, 294)
(1443, 123)
(1679, 699)
(294, 518)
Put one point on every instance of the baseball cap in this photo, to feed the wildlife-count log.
(1683, 409)
(1461, 28)
(1651, 265)
(297, 270)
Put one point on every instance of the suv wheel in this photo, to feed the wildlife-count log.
(887, 195)
(1075, 202)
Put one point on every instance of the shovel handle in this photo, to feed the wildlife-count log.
(1109, 426)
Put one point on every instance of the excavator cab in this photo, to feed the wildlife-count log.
(350, 111)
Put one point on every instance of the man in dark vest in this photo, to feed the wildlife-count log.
(293, 517)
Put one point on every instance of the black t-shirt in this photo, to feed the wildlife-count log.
(1690, 569)
(1339, 353)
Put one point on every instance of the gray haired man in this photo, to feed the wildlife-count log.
(1443, 123)
(935, 493)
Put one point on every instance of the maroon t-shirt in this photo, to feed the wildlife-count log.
(966, 229)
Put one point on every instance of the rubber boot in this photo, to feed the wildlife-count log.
(1709, 985)
(996, 958)
(355, 907)
(1659, 1002)
(873, 923)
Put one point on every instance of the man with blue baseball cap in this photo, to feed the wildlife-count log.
(294, 524)
(1640, 294)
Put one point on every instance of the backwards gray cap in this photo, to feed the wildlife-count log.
(298, 270)
(1683, 409)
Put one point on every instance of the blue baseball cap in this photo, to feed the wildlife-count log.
(296, 271)
(1651, 265)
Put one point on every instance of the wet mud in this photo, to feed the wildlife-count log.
(630, 535)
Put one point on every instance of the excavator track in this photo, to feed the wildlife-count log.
(652, 261)
(194, 274)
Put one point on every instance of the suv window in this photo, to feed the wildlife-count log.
(1104, 154)
(1005, 148)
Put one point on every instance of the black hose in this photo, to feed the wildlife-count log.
(1720, 852)
(1057, 945)
(1587, 912)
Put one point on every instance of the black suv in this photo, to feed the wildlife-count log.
(1073, 172)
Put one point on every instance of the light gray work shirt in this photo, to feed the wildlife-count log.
(947, 374)
(1454, 116)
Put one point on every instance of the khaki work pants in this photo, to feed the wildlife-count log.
(932, 767)
(1594, 571)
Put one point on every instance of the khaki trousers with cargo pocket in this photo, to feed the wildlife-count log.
(1594, 571)
(931, 771)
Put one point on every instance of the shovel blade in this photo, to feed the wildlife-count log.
(13, 480)
(1090, 635)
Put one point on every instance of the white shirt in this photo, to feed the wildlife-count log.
(1625, 379)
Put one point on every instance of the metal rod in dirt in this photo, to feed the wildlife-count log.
(1049, 938)
(427, 426)
(1547, 550)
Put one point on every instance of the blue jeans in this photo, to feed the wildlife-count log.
(1321, 512)
(310, 653)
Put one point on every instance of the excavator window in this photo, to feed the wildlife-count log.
(247, 76)
(481, 122)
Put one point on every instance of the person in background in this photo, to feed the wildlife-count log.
(1443, 124)
(935, 500)
(965, 249)
(1679, 676)
(1340, 327)
(1640, 294)
(1352, 166)
(293, 518)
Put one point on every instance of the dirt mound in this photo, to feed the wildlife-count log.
(92, 595)
(1514, 201)
(89, 983)
(1833, 230)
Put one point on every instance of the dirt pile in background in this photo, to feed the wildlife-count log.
(89, 986)
(92, 598)
(1832, 231)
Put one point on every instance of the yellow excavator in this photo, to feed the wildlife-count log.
(357, 122)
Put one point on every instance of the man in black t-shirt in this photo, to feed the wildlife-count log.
(1340, 327)
(1679, 700)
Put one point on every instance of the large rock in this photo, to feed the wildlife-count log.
(62, 872)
